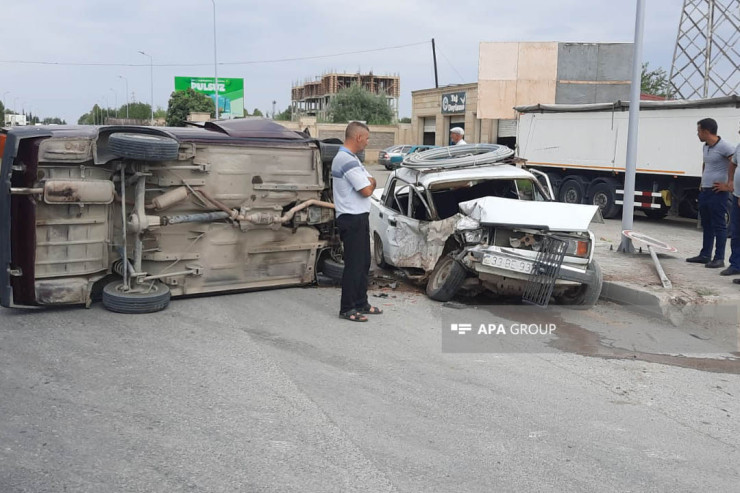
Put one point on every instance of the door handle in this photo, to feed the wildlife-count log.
(380, 215)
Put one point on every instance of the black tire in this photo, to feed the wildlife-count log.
(378, 253)
(689, 205)
(446, 278)
(330, 149)
(555, 180)
(572, 191)
(604, 195)
(333, 269)
(143, 147)
(584, 296)
(656, 214)
(118, 301)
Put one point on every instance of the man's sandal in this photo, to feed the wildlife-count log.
(353, 316)
(370, 310)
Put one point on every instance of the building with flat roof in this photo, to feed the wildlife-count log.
(314, 98)
(520, 74)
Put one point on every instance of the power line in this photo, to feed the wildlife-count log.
(248, 62)
(451, 65)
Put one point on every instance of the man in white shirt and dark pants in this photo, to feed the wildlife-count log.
(353, 186)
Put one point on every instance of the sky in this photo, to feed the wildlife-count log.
(58, 59)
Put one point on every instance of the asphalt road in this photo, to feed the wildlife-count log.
(271, 391)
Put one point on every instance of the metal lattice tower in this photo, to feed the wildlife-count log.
(706, 59)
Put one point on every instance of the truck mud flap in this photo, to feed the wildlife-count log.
(545, 272)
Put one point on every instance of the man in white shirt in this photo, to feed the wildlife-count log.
(456, 134)
(352, 186)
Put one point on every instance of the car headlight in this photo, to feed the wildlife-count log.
(576, 248)
(473, 235)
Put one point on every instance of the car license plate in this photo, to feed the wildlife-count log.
(502, 262)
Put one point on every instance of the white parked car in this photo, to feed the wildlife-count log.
(476, 227)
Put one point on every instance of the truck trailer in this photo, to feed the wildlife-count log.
(582, 148)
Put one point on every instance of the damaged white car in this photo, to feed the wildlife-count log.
(466, 218)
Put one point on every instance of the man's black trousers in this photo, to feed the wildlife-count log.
(354, 231)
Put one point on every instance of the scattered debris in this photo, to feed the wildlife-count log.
(454, 304)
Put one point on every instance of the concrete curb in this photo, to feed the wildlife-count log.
(718, 317)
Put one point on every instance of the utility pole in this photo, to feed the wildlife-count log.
(628, 209)
(151, 79)
(215, 55)
(434, 56)
(126, 80)
(273, 109)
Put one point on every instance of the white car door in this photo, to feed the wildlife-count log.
(384, 212)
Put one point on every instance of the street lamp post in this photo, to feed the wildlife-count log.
(115, 98)
(215, 57)
(151, 77)
(126, 80)
(5, 108)
(107, 108)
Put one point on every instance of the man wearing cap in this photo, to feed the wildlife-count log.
(456, 134)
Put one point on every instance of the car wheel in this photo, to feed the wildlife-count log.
(584, 296)
(572, 192)
(143, 147)
(117, 300)
(333, 269)
(604, 195)
(446, 278)
(378, 253)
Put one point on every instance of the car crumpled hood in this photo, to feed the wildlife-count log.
(556, 216)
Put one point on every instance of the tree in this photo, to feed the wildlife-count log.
(53, 121)
(139, 111)
(283, 115)
(655, 82)
(2, 109)
(405, 119)
(357, 103)
(182, 103)
(257, 112)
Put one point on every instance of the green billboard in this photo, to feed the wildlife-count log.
(230, 93)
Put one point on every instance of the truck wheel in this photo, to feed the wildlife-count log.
(584, 296)
(117, 300)
(143, 147)
(378, 253)
(446, 279)
(555, 180)
(605, 195)
(689, 205)
(572, 191)
(656, 213)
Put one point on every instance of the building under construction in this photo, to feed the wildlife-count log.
(314, 98)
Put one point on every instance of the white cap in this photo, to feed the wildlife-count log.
(457, 130)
